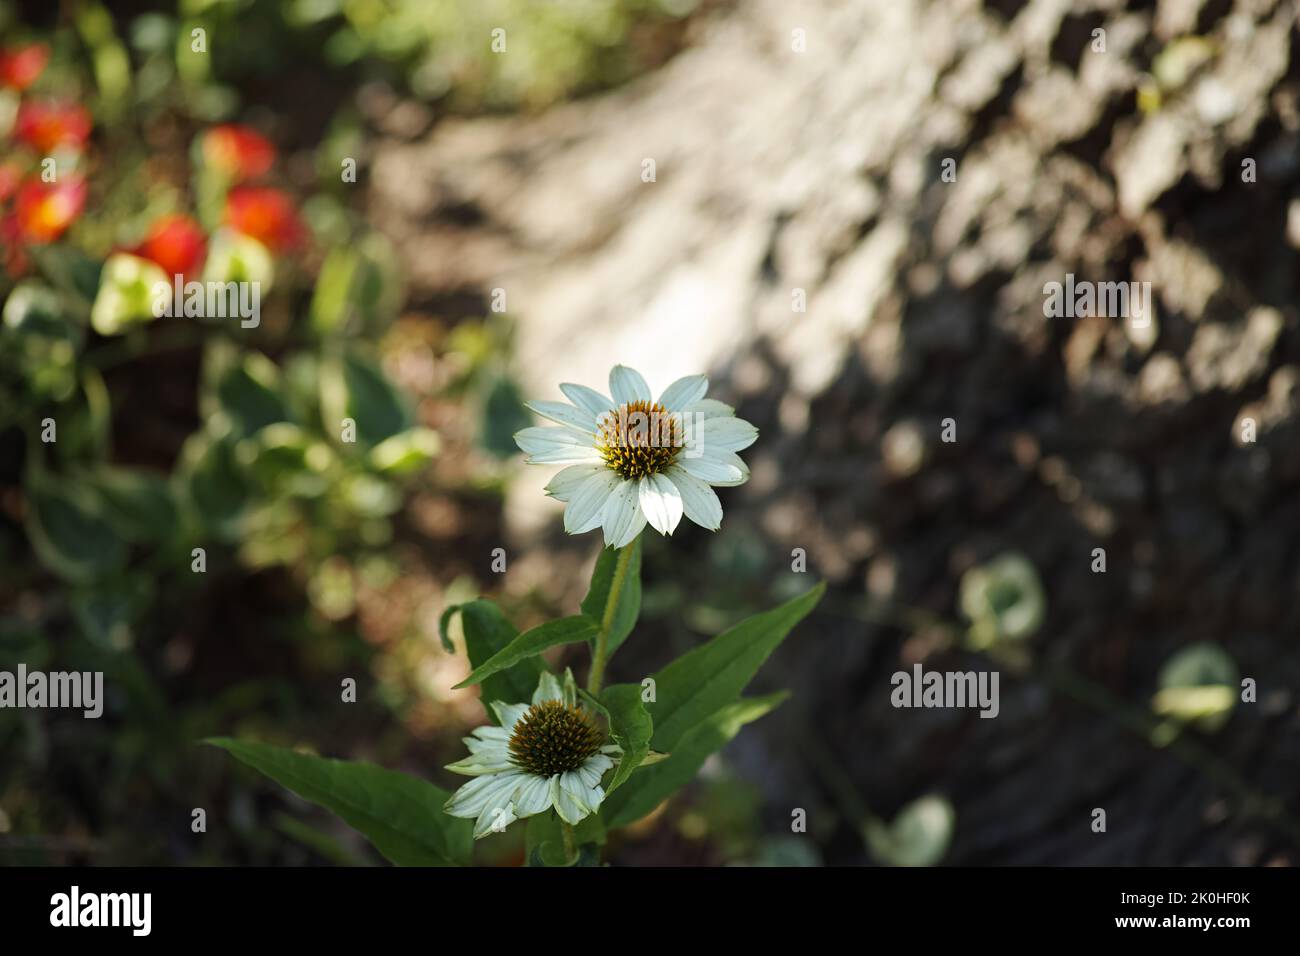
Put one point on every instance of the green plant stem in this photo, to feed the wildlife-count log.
(597, 676)
(570, 842)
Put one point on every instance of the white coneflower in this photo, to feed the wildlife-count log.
(549, 754)
(632, 459)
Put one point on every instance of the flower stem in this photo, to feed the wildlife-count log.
(570, 842)
(597, 676)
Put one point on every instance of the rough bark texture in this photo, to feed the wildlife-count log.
(823, 171)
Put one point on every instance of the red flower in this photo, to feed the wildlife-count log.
(10, 175)
(265, 214)
(44, 211)
(175, 242)
(240, 152)
(20, 66)
(47, 126)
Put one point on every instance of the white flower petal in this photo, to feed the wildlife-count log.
(567, 480)
(566, 805)
(709, 408)
(491, 734)
(508, 714)
(491, 790)
(622, 517)
(714, 469)
(588, 797)
(542, 438)
(683, 392)
(628, 386)
(478, 764)
(564, 413)
(556, 445)
(699, 501)
(588, 399)
(587, 505)
(487, 750)
(594, 768)
(726, 434)
(661, 502)
(731, 461)
(533, 796)
(548, 688)
(494, 820)
(566, 455)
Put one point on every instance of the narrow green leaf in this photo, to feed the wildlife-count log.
(401, 815)
(711, 676)
(444, 623)
(630, 725)
(567, 630)
(488, 631)
(653, 784)
(622, 611)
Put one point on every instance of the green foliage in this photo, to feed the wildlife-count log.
(445, 47)
(654, 784)
(615, 612)
(1199, 686)
(401, 815)
(544, 841)
(631, 727)
(918, 836)
(567, 630)
(708, 678)
(487, 633)
(70, 529)
(1003, 600)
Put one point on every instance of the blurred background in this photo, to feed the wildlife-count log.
(845, 213)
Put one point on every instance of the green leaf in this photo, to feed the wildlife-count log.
(107, 609)
(487, 632)
(544, 840)
(69, 530)
(401, 815)
(918, 836)
(248, 391)
(711, 676)
(138, 504)
(213, 484)
(284, 459)
(444, 623)
(623, 610)
(501, 416)
(330, 307)
(70, 270)
(653, 784)
(630, 725)
(567, 630)
(355, 387)
(406, 452)
(40, 341)
(358, 290)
